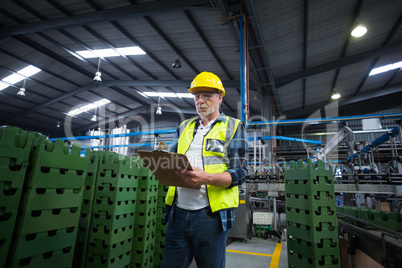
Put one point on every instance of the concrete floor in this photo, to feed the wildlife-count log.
(257, 252)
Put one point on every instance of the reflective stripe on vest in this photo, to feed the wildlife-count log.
(215, 159)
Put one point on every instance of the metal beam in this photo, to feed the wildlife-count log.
(178, 52)
(52, 54)
(171, 44)
(305, 46)
(64, 61)
(54, 88)
(207, 44)
(107, 43)
(40, 94)
(336, 64)
(41, 67)
(39, 16)
(345, 48)
(121, 13)
(391, 34)
(131, 113)
(374, 93)
(163, 83)
(62, 97)
(149, 53)
(113, 83)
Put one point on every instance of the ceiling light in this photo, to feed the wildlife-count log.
(97, 79)
(335, 95)
(386, 68)
(359, 31)
(22, 89)
(21, 92)
(109, 52)
(93, 119)
(58, 124)
(159, 109)
(168, 94)
(176, 63)
(88, 107)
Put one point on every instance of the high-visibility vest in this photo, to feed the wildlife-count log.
(215, 160)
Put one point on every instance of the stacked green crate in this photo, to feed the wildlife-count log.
(311, 219)
(15, 147)
(86, 209)
(113, 213)
(160, 227)
(145, 220)
(49, 213)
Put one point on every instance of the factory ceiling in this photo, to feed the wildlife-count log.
(299, 53)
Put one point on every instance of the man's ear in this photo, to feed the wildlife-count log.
(220, 98)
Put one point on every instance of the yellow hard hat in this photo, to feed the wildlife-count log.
(206, 81)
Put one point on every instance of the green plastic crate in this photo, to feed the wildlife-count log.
(311, 219)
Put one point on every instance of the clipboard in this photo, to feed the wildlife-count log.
(163, 165)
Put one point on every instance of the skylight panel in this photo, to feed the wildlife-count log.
(28, 71)
(3, 85)
(88, 107)
(12, 79)
(86, 54)
(104, 53)
(185, 95)
(131, 50)
(386, 68)
(108, 52)
(160, 94)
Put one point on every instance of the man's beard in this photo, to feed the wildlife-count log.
(206, 111)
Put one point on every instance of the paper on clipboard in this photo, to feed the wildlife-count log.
(163, 165)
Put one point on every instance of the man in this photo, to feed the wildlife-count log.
(200, 216)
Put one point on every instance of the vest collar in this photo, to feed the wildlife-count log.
(221, 117)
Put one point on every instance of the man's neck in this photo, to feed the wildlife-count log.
(206, 120)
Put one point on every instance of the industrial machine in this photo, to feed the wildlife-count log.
(241, 228)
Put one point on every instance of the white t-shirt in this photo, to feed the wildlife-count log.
(188, 198)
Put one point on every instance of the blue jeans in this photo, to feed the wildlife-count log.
(195, 234)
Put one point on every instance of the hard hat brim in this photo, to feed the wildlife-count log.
(205, 89)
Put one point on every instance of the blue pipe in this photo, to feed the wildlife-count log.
(166, 131)
(242, 72)
(319, 120)
(122, 145)
(286, 139)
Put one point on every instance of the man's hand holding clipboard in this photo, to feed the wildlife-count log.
(171, 169)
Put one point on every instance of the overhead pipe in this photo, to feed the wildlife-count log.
(286, 139)
(327, 120)
(150, 144)
(108, 136)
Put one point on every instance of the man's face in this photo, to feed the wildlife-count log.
(207, 103)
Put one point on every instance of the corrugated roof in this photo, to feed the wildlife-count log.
(300, 51)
